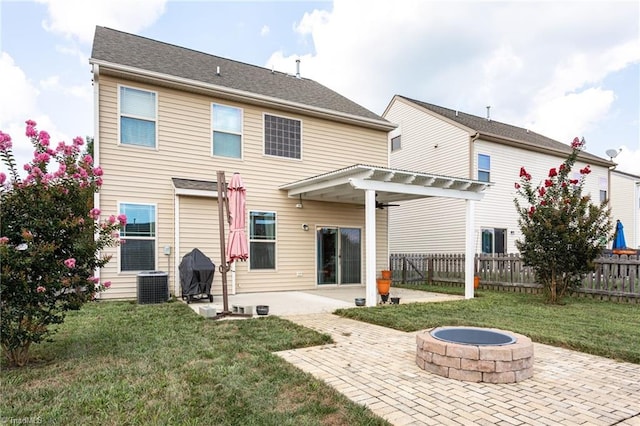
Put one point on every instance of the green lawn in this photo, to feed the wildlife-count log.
(116, 363)
(597, 327)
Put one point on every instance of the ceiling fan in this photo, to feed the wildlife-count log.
(381, 205)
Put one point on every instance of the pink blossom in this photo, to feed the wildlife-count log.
(542, 191)
(44, 138)
(573, 181)
(543, 202)
(107, 284)
(78, 141)
(562, 167)
(5, 142)
(94, 213)
(516, 185)
(98, 171)
(31, 131)
(523, 172)
(88, 159)
(41, 289)
(30, 123)
(4, 240)
(81, 221)
(122, 219)
(70, 263)
(586, 170)
(548, 183)
(553, 172)
(27, 167)
(3, 178)
(61, 170)
(112, 219)
(99, 181)
(94, 280)
(532, 210)
(577, 143)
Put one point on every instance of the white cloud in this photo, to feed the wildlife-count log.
(265, 30)
(23, 105)
(629, 160)
(17, 93)
(571, 115)
(78, 18)
(52, 83)
(538, 64)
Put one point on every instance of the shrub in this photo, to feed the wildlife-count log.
(563, 230)
(50, 240)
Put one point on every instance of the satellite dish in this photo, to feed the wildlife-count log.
(612, 153)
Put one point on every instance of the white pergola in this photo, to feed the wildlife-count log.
(362, 184)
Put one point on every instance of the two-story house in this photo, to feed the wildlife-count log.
(450, 142)
(314, 163)
(625, 204)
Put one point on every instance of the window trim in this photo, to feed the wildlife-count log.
(274, 241)
(120, 115)
(488, 171)
(264, 139)
(119, 252)
(241, 134)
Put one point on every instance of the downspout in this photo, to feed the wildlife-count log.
(472, 139)
(95, 69)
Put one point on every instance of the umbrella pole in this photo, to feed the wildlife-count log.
(223, 203)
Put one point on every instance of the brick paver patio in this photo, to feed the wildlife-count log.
(375, 366)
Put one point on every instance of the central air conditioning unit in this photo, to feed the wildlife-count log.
(153, 287)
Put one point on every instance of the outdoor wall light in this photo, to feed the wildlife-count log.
(305, 227)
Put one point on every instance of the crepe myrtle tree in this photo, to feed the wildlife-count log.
(563, 230)
(50, 240)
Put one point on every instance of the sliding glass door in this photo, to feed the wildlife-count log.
(339, 255)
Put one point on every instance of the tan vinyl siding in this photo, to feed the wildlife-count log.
(142, 175)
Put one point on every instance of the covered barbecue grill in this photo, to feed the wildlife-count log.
(196, 276)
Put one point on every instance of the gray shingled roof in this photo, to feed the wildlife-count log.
(200, 185)
(500, 130)
(120, 48)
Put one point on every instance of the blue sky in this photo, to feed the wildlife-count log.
(562, 69)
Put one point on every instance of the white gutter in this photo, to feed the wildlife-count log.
(96, 144)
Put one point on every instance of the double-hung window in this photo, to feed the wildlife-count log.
(227, 131)
(138, 113)
(282, 137)
(396, 143)
(262, 240)
(484, 168)
(138, 237)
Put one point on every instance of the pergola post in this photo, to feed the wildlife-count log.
(469, 250)
(370, 233)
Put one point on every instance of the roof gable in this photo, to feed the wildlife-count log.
(117, 48)
(499, 132)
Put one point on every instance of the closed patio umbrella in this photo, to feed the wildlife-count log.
(618, 237)
(237, 248)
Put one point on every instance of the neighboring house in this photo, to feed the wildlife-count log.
(168, 118)
(449, 142)
(625, 205)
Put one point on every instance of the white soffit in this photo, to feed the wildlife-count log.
(347, 186)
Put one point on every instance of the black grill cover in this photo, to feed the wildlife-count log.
(196, 273)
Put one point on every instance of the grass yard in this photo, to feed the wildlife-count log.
(597, 327)
(116, 363)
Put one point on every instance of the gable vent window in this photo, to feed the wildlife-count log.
(484, 168)
(396, 143)
(138, 112)
(282, 137)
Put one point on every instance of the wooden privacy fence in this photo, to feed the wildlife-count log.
(614, 275)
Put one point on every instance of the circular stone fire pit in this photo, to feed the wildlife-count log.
(475, 354)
